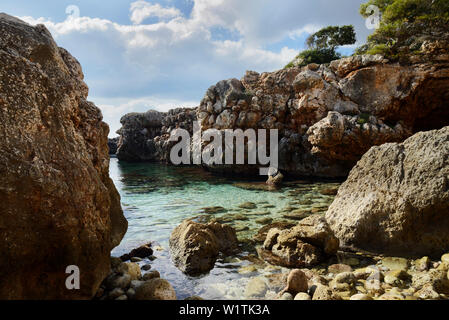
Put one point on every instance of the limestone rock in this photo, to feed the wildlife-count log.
(155, 289)
(195, 247)
(58, 206)
(304, 245)
(396, 199)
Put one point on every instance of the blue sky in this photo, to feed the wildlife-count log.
(139, 55)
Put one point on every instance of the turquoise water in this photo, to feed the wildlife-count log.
(157, 198)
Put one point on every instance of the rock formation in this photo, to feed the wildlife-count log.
(304, 245)
(58, 206)
(328, 116)
(144, 136)
(113, 145)
(396, 199)
(195, 247)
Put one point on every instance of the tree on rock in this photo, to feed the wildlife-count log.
(322, 45)
(405, 26)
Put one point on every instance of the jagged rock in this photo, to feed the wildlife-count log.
(113, 145)
(195, 247)
(58, 206)
(329, 116)
(396, 199)
(304, 245)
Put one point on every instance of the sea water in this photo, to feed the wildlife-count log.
(157, 198)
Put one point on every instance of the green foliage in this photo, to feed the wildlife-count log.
(322, 46)
(363, 118)
(405, 25)
(318, 56)
(332, 37)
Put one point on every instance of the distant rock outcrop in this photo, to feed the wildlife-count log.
(113, 145)
(328, 116)
(144, 136)
(58, 206)
(396, 199)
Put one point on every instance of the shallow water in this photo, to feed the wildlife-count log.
(157, 198)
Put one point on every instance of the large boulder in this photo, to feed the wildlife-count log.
(58, 206)
(396, 199)
(195, 247)
(305, 245)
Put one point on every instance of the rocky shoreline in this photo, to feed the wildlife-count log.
(382, 125)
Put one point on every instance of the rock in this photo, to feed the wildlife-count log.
(435, 278)
(58, 204)
(374, 287)
(112, 145)
(142, 252)
(136, 283)
(445, 258)
(118, 281)
(302, 296)
(296, 282)
(302, 246)
(194, 298)
(339, 268)
(397, 182)
(422, 264)
(122, 298)
(361, 296)
(275, 179)
(396, 278)
(130, 268)
(195, 247)
(155, 289)
(427, 293)
(135, 259)
(151, 275)
(286, 296)
(130, 293)
(146, 267)
(117, 292)
(323, 292)
(248, 205)
(261, 235)
(395, 263)
(256, 288)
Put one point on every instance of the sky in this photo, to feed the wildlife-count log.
(162, 54)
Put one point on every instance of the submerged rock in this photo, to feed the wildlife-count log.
(195, 247)
(155, 289)
(396, 200)
(58, 205)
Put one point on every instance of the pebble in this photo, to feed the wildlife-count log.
(117, 292)
(393, 263)
(256, 288)
(302, 296)
(287, 296)
(151, 275)
(339, 268)
(122, 298)
(146, 267)
(361, 296)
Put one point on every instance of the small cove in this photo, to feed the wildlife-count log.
(157, 198)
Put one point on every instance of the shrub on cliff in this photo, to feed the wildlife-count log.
(322, 45)
(405, 25)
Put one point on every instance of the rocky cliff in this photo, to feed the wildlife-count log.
(328, 116)
(58, 206)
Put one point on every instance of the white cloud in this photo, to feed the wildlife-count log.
(141, 10)
(178, 55)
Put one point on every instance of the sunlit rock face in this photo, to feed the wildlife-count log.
(58, 206)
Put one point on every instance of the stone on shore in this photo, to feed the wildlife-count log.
(195, 247)
(396, 199)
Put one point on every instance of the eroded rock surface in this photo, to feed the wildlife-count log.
(195, 247)
(396, 199)
(305, 245)
(58, 206)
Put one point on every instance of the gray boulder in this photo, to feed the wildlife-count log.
(396, 199)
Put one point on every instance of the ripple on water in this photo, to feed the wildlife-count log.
(157, 198)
